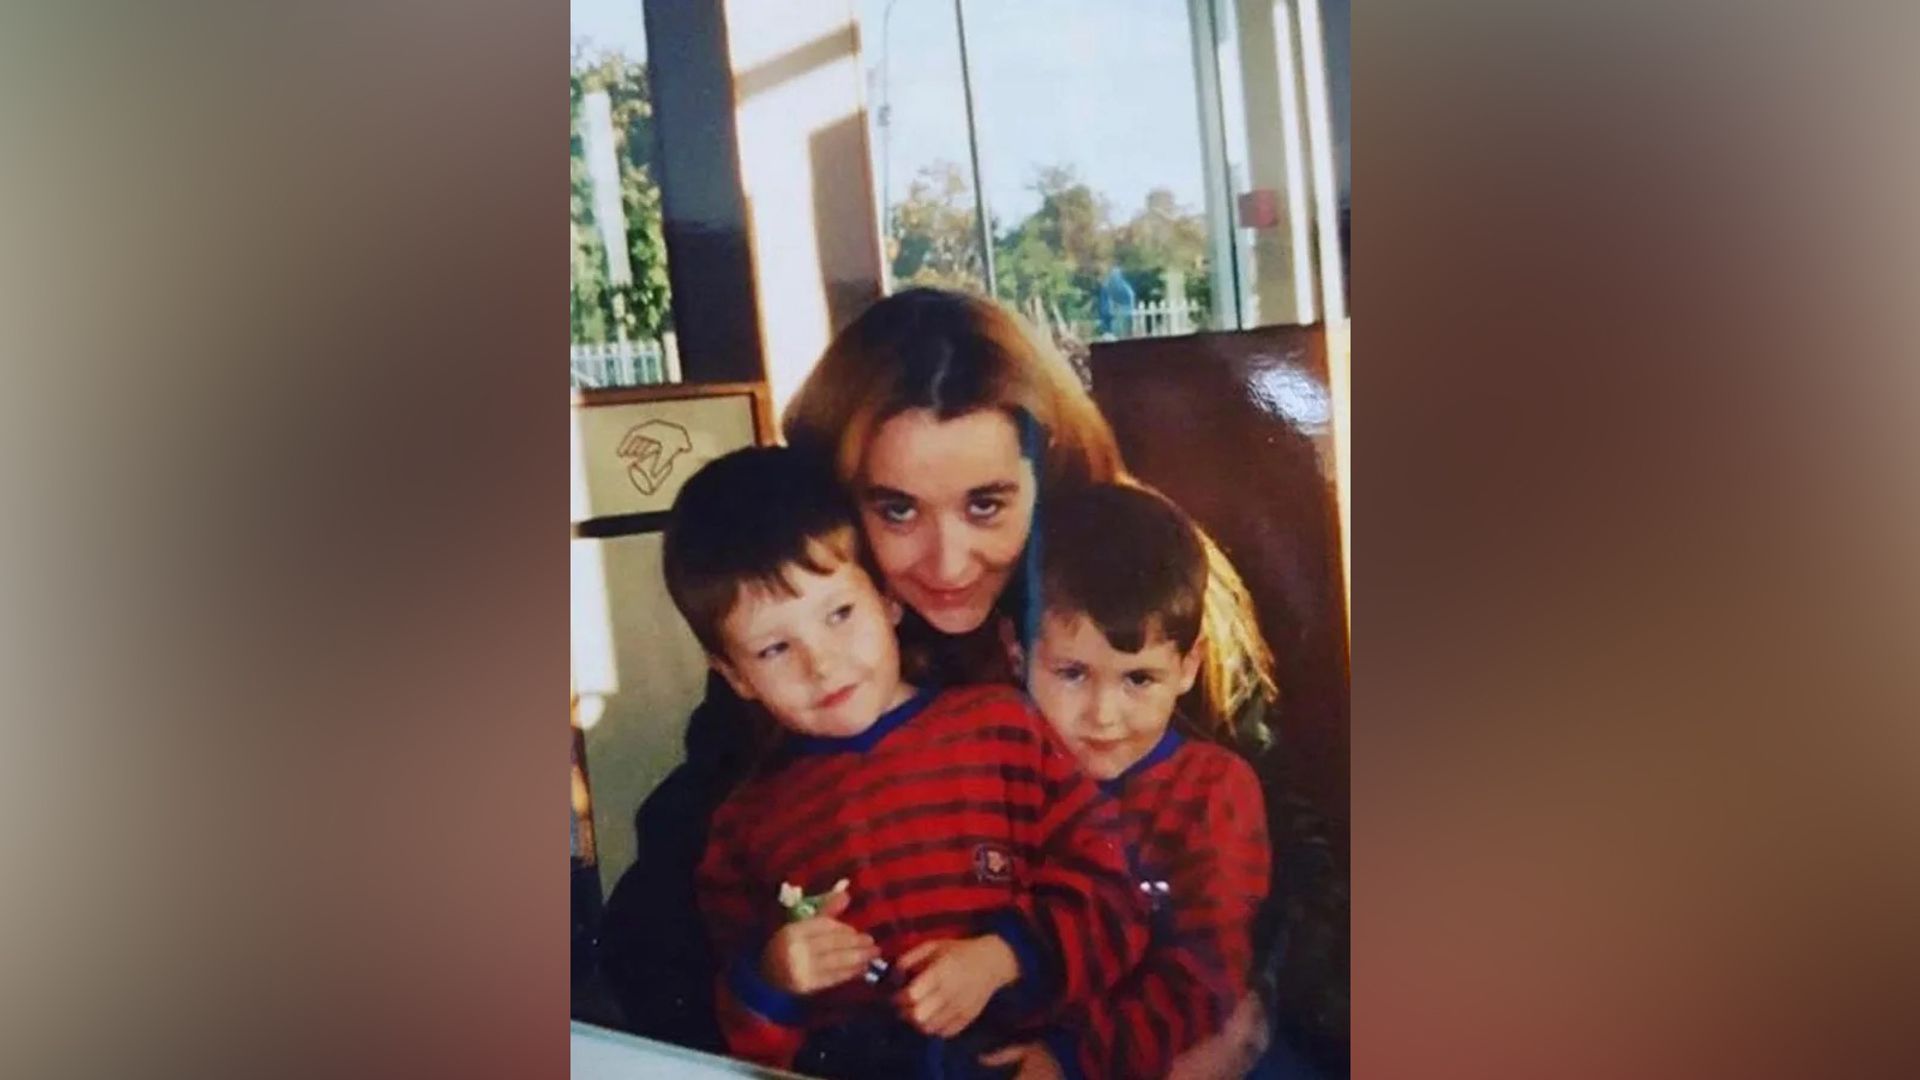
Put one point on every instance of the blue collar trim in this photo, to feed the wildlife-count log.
(868, 739)
(1162, 750)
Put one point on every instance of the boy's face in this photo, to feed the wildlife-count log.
(823, 661)
(1109, 707)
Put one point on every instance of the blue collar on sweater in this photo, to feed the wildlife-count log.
(1162, 750)
(868, 739)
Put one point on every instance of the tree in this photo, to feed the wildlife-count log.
(1059, 253)
(931, 235)
(1073, 220)
(1057, 256)
(643, 311)
(1164, 237)
(1027, 270)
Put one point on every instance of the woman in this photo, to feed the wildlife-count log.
(949, 419)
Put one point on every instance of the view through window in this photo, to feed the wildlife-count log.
(1147, 167)
(621, 319)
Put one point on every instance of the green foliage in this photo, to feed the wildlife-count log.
(641, 310)
(1027, 269)
(931, 238)
(1159, 239)
(1062, 251)
(1059, 254)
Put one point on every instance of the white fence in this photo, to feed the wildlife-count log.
(1165, 318)
(1161, 318)
(649, 363)
(1151, 318)
(625, 363)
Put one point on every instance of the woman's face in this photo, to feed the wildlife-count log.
(947, 505)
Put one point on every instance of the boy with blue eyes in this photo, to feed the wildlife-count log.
(1123, 578)
(947, 835)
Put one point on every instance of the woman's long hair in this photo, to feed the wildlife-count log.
(955, 353)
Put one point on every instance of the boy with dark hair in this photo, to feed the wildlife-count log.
(1122, 581)
(942, 844)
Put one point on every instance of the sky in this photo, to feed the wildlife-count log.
(1103, 85)
(611, 24)
(1106, 86)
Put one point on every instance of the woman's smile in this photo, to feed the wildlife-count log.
(947, 506)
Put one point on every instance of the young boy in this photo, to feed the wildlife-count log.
(939, 856)
(1122, 580)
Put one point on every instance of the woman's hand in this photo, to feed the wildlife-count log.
(1035, 1061)
(952, 981)
(819, 953)
(1229, 1053)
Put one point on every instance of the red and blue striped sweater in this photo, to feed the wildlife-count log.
(955, 814)
(1196, 835)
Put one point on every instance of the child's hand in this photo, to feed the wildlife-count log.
(816, 954)
(952, 981)
(1035, 1061)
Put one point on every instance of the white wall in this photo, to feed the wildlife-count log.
(639, 673)
(805, 168)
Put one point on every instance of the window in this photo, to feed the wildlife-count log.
(923, 178)
(1146, 167)
(1087, 122)
(621, 320)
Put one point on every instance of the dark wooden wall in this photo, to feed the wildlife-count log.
(1235, 428)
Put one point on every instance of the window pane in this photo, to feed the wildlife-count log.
(1285, 99)
(1337, 16)
(1150, 167)
(917, 117)
(1090, 137)
(620, 315)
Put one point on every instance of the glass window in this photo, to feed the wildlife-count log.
(1090, 142)
(1337, 17)
(1284, 98)
(1147, 167)
(917, 112)
(621, 319)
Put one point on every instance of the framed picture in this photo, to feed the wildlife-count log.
(633, 448)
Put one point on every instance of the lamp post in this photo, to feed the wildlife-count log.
(973, 151)
(886, 116)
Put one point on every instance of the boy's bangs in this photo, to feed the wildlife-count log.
(821, 555)
(1124, 634)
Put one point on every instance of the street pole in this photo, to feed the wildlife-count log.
(973, 151)
(886, 118)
